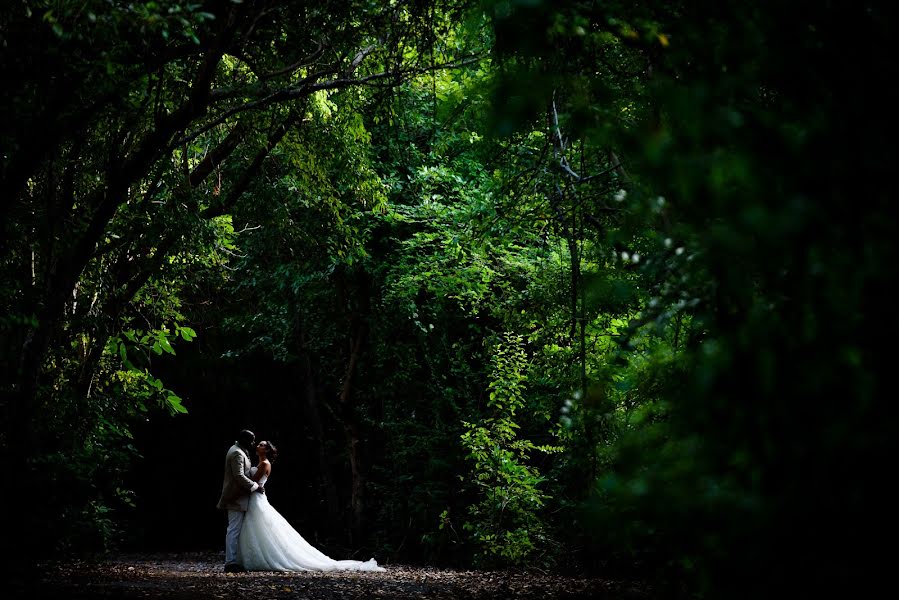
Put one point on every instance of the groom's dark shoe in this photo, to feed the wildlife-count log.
(234, 568)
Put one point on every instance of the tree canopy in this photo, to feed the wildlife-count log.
(558, 285)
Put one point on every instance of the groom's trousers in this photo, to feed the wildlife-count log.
(235, 522)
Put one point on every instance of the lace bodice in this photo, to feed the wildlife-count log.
(262, 479)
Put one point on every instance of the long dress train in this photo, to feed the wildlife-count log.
(268, 543)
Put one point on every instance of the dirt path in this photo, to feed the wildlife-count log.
(199, 576)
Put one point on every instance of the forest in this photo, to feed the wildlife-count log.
(574, 286)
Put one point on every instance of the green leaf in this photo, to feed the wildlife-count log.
(175, 402)
(164, 343)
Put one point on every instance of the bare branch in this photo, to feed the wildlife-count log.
(217, 156)
(563, 161)
(241, 185)
(305, 88)
(359, 58)
(305, 61)
(614, 167)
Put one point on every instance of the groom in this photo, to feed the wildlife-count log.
(236, 491)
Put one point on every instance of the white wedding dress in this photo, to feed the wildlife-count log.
(267, 542)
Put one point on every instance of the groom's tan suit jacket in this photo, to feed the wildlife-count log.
(238, 486)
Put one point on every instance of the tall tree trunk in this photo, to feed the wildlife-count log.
(351, 434)
(357, 504)
(358, 311)
(313, 418)
(62, 278)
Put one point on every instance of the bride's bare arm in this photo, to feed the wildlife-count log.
(264, 468)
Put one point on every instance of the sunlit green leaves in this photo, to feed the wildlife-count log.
(507, 512)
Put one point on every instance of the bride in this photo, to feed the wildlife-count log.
(267, 542)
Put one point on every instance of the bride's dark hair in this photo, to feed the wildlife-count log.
(271, 453)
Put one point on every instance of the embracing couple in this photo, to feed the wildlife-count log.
(258, 537)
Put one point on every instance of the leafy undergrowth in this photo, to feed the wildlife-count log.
(199, 576)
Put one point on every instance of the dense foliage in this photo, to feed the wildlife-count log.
(564, 285)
